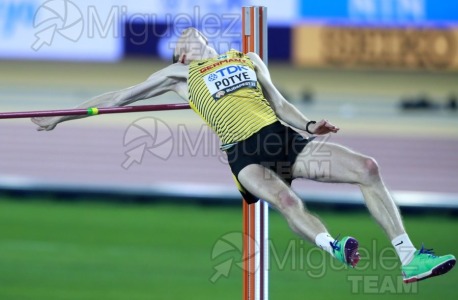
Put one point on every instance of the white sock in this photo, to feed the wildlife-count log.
(323, 241)
(404, 248)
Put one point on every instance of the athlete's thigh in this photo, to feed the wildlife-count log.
(328, 162)
(264, 184)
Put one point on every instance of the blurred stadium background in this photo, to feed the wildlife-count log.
(132, 206)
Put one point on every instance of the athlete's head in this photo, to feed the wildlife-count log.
(192, 45)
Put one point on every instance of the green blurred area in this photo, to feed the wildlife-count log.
(83, 250)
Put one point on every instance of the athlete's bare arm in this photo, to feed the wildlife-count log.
(171, 78)
(285, 110)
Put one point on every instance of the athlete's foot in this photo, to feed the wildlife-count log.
(346, 250)
(425, 265)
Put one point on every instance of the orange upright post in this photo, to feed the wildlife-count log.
(255, 216)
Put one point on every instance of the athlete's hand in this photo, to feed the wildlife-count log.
(323, 127)
(46, 123)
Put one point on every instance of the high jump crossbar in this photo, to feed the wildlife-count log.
(92, 111)
(255, 216)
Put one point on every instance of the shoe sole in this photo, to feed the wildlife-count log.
(351, 252)
(436, 271)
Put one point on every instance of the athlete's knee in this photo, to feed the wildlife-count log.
(287, 200)
(371, 166)
(369, 170)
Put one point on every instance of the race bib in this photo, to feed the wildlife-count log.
(230, 79)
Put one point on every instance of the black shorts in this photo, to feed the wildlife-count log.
(275, 147)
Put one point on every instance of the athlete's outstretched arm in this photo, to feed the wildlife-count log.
(167, 79)
(285, 110)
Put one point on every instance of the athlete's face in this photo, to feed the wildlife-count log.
(197, 47)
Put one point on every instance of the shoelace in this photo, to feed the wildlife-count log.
(429, 252)
(334, 244)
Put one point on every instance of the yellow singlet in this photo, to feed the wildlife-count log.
(225, 92)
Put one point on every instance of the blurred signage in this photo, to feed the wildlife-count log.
(416, 48)
(219, 20)
(59, 30)
(94, 30)
(413, 12)
(284, 12)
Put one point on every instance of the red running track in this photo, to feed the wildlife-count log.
(77, 155)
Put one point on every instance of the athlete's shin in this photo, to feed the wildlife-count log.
(299, 219)
(382, 207)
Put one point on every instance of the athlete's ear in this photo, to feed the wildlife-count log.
(182, 58)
